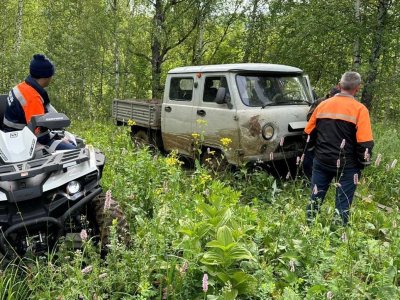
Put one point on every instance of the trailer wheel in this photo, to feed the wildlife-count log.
(104, 219)
(140, 138)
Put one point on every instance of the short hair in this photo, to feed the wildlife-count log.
(350, 81)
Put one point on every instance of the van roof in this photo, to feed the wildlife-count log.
(257, 67)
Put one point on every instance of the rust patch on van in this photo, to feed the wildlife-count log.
(254, 126)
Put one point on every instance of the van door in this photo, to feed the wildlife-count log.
(177, 114)
(217, 121)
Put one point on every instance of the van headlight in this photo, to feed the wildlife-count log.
(267, 131)
(73, 187)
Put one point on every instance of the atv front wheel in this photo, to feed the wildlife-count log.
(104, 219)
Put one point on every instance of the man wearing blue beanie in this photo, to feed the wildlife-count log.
(29, 98)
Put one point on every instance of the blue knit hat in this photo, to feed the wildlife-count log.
(41, 67)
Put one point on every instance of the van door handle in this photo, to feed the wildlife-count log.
(168, 108)
(201, 112)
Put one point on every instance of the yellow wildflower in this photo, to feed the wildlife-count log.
(204, 178)
(172, 161)
(131, 122)
(195, 135)
(201, 122)
(226, 141)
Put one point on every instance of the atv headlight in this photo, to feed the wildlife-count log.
(267, 131)
(73, 187)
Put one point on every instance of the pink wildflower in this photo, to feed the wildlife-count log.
(378, 160)
(344, 237)
(297, 160)
(205, 283)
(107, 202)
(292, 265)
(356, 179)
(393, 164)
(271, 156)
(84, 235)
(342, 144)
(288, 175)
(87, 270)
(367, 156)
(308, 138)
(165, 293)
(329, 295)
(302, 158)
(315, 190)
(282, 141)
(184, 267)
(338, 163)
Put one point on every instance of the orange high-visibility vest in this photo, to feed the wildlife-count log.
(30, 100)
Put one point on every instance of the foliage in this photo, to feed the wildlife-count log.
(245, 230)
(123, 49)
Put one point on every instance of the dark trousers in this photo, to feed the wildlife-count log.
(308, 163)
(322, 176)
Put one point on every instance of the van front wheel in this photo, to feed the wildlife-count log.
(214, 160)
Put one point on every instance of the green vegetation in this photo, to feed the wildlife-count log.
(108, 49)
(197, 235)
(245, 231)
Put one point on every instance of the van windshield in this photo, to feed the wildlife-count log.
(266, 90)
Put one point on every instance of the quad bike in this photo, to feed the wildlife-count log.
(46, 195)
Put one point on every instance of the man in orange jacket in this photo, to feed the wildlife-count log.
(340, 129)
(29, 98)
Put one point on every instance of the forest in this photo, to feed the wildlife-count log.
(197, 234)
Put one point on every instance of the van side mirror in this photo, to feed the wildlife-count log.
(223, 97)
(220, 97)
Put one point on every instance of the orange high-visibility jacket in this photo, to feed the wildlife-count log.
(24, 101)
(341, 128)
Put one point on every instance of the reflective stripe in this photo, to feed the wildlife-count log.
(336, 116)
(12, 124)
(19, 96)
(54, 145)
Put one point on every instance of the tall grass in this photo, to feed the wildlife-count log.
(184, 225)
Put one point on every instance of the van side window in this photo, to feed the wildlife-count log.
(211, 85)
(181, 89)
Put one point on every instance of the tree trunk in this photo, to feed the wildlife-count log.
(116, 49)
(250, 31)
(368, 92)
(18, 39)
(356, 52)
(156, 57)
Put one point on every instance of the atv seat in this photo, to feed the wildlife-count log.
(3, 106)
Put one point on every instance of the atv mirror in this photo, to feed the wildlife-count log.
(50, 121)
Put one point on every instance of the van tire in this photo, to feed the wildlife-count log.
(214, 160)
(140, 138)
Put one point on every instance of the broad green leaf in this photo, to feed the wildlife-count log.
(217, 244)
(224, 235)
(229, 295)
(212, 258)
(225, 218)
(208, 210)
(239, 252)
